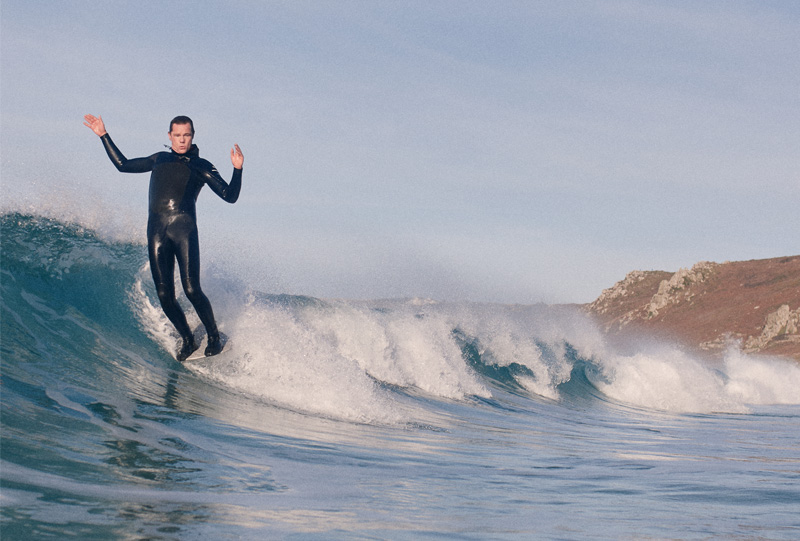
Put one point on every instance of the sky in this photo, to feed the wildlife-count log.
(514, 152)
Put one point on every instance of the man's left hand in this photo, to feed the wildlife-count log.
(237, 158)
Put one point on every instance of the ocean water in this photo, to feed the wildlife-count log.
(384, 419)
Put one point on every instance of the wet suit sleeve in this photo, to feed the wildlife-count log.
(124, 165)
(228, 192)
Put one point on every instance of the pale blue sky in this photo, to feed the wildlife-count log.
(491, 151)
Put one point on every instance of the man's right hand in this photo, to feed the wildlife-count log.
(95, 124)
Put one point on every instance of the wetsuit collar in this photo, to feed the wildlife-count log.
(193, 152)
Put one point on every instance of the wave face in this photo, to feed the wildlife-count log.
(99, 421)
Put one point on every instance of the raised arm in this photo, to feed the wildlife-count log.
(228, 192)
(124, 165)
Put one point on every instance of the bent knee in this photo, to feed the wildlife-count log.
(165, 292)
(193, 292)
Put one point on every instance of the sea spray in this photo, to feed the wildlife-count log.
(276, 358)
(356, 359)
(399, 344)
(336, 357)
(758, 379)
(152, 319)
(666, 377)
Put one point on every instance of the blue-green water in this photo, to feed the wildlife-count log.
(400, 419)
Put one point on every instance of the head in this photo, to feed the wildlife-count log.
(181, 133)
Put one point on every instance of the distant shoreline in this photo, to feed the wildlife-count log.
(754, 304)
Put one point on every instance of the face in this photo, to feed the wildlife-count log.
(181, 138)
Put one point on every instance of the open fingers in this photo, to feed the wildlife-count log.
(95, 124)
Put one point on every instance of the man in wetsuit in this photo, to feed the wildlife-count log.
(176, 179)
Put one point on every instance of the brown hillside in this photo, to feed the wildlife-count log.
(755, 302)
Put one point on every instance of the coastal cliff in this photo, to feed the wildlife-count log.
(755, 303)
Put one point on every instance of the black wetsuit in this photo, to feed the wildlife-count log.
(175, 182)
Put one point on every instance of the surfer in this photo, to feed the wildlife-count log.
(176, 178)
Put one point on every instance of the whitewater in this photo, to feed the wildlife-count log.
(365, 419)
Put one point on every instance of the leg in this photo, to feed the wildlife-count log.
(162, 267)
(184, 235)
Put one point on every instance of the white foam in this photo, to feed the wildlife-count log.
(508, 335)
(333, 358)
(278, 359)
(762, 380)
(340, 359)
(669, 379)
(400, 346)
(151, 317)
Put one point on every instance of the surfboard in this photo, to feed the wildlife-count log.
(200, 353)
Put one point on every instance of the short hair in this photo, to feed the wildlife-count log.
(181, 120)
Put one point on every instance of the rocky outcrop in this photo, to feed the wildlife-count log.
(621, 303)
(782, 323)
(679, 287)
(755, 303)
